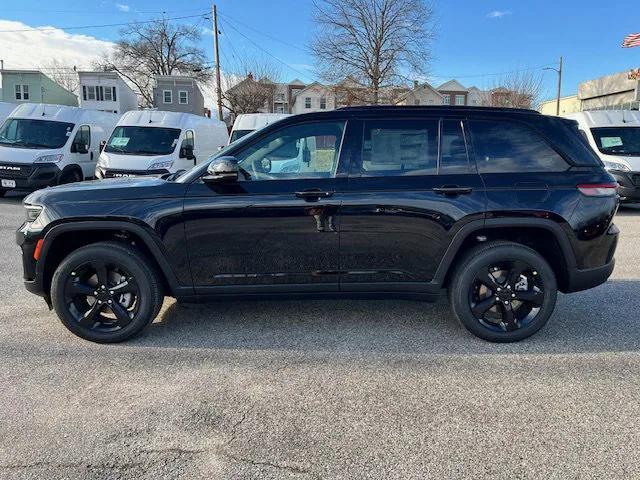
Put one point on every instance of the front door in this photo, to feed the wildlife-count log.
(278, 225)
(410, 189)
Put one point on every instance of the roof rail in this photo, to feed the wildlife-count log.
(439, 108)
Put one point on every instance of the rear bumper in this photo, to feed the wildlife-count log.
(589, 278)
(628, 185)
(31, 176)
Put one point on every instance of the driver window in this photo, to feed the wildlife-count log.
(83, 136)
(309, 150)
(188, 139)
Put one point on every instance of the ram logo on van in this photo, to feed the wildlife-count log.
(10, 168)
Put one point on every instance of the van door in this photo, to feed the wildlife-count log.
(82, 153)
(410, 190)
(187, 156)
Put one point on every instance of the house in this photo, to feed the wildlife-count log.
(314, 98)
(453, 93)
(421, 94)
(176, 93)
(106, 92)
(33, 86)
(618, 91)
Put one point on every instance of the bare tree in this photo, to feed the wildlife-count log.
(521, 89)
(250, 86)
(64, 75)
(158, 48)
(378, 43)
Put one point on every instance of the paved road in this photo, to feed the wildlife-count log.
(322, 389)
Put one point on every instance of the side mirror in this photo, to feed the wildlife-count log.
(187, 152)
(79, 148)
(222, 170)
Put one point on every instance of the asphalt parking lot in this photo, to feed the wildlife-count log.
(322, 389)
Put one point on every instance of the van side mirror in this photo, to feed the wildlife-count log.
(222, 170)
(187, 152)
(79, 148)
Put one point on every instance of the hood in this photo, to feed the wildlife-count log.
(632, 161)
(120, 161)
(117, 190)
(24, 155)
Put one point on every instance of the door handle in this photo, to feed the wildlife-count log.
(91, 154)
(452, 190)
(314, 194)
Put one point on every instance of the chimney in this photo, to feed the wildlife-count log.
(250, 76)
(415, 84)
(1, 64)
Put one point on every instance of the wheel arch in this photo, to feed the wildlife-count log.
(544, 236)
(64, 238)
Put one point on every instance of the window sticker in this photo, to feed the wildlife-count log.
(120, 142)
(608, 142)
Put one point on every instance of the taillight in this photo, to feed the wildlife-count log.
(598, 189)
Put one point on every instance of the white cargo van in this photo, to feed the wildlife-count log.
(43, 145)
(615, 137)
(249, 122)
(152, 142)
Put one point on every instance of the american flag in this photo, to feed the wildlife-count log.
(632, 40)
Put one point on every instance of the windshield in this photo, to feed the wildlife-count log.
(143, 140)
(28, 133)
(236, 134)
(618, 140)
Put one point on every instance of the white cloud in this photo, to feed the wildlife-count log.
(122, 7)
(498, 14)
(33, 48)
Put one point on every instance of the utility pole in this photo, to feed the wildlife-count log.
(217, 59)
(559, 88)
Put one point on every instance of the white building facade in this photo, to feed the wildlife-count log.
(314, 98)
(106, 92)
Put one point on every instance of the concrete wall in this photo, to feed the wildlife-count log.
(608, 91)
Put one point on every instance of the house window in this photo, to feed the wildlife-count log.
(323, 103)
(307, 102)
(183, 97)
(107, 94)
(22, 92)
(447, 99)
(167, 96)
(280, 97)
(416, 102)
(91, 93)
(459, 99)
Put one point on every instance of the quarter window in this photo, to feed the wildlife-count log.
(309, 150)
(453, 149)
(503, 147)
(400, 147)
(167, 96)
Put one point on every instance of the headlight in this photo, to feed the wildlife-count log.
(33, 212)
(36, 219)
(50, 158)
(158, 165)
(622, 167)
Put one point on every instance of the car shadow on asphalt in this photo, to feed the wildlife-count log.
(604, 319)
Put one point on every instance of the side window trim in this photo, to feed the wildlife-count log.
(467, 144)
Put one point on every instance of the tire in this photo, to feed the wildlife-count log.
(70, 176)
(131, 298)
(509, 277)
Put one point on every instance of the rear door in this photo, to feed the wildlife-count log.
(410, 189)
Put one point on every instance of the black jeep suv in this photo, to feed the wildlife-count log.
(500, 207)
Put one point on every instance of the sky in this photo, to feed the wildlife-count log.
(475, 39)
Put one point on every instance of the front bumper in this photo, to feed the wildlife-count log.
(32, 276)
(30, 176)
(119, 173)
(628, 185)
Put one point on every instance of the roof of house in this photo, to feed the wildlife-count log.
(420, 86)
(453, 86)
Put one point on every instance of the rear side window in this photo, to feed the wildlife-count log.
(504, 147)
(453, 149)
(400, 147)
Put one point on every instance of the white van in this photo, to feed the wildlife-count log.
(152, 142)
(5, 110)
(246, 123)
(615, 137)
(43, 145)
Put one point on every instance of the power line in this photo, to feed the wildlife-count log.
(540, 67)
(142, 22)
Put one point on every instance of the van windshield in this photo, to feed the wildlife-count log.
(618, 140)
(143, 140)
(29, 133)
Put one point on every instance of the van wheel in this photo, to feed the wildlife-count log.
(70, 176)
(503, 291)
(106, 292)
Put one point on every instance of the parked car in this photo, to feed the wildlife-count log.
(43, 145)
(615, 137)
(152, 142)
(501, 208)
(246, 123)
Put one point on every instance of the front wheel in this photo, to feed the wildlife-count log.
(106, 292)
(503, 291)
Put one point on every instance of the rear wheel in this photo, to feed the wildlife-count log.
(503, 291)
(106, 292)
